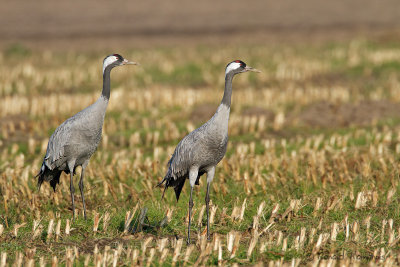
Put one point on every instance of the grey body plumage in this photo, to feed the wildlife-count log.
(201, 150)
(76, 139)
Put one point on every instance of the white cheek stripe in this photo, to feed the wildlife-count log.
(232, 66)
(109, 60)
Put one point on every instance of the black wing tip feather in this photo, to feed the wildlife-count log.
(54, 183)
(165, 180)
(171, 182)
(178, 188)
(39, 183)
(40, 177)
(177, 193)
(45, 174)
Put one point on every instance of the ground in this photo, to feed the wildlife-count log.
(84, 25)
(310, 175)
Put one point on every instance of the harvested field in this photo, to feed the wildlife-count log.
(311, 174)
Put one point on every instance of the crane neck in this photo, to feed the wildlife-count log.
(106, 84)
(226, 99)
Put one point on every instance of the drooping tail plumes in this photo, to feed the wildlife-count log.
(169, 181)
(51, 176)
(178, 188)
(165, 180)
(177, 183)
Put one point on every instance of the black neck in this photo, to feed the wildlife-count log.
(106, 84)
(226, 100)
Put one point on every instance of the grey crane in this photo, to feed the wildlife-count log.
(201, 150)
(76, 139)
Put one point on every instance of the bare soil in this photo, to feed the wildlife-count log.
(104, 24)
(329, 115)
(259, 112)
(318, 115)
(14, 128)
(203, 113)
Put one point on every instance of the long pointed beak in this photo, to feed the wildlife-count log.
(126, 62)
(247, 68)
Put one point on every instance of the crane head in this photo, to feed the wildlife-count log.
(115, 60)
(238, 66)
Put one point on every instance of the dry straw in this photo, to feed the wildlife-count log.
(277, 153)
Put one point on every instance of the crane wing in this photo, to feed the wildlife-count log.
(181, 160)
(57, 144)
(179, 163)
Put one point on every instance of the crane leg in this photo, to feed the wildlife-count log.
(190, 213)
(81, 187)
(208, 210)
(210, 177)
(72, 189)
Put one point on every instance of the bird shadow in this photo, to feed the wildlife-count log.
(142, 223)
